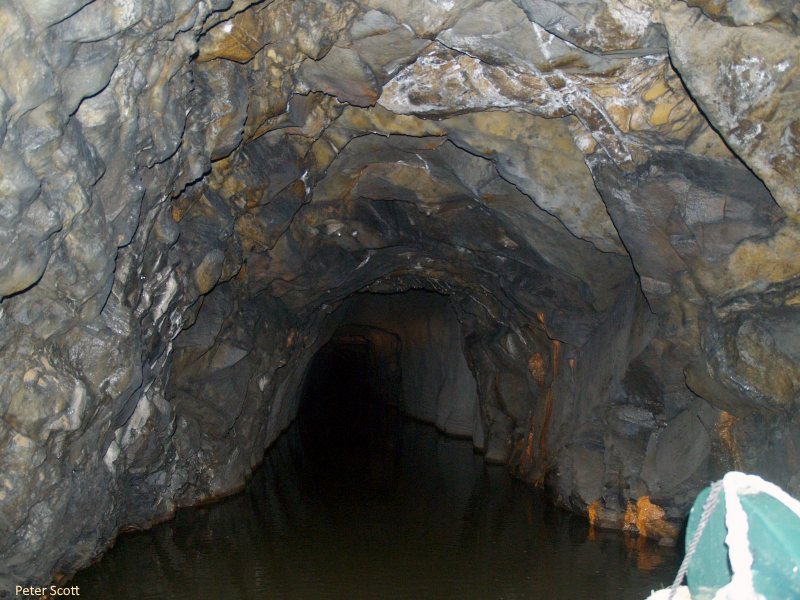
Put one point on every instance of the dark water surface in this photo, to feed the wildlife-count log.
(395, 511)
(358, 502)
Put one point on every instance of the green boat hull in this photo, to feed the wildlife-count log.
(774, 538)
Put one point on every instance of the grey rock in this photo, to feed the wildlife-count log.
(599, 27)
(549, 244)
(340, 73)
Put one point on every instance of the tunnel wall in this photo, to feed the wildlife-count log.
(242, 167)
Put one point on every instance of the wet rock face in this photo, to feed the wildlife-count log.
(601, 198)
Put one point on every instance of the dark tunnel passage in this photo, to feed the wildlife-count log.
(348, 404)
(359, 500)
(356, 395)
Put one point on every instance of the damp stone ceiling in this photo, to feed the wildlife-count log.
(584, 215)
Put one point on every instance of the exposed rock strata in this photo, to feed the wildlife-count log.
(191, 193)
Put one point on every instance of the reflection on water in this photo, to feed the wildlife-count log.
(384, 508)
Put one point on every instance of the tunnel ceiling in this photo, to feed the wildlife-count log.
(194, 195)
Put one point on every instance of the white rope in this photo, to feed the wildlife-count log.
(708, 509)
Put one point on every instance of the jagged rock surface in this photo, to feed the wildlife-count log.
(604, 193)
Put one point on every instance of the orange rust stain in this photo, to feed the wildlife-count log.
(526, 446)
(548, 403)
(520, 450)
(537, 368)
(593, 512)
(647, 519)
(548, 412)
(556, 357)
(646, 555)
(529, 448)
(724, 431)
(648, 515)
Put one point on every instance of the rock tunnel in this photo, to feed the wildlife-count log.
(567, 231)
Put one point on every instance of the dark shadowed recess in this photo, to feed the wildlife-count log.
(356, 500)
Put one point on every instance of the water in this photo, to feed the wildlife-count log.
(357, 502)
(419, 516)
